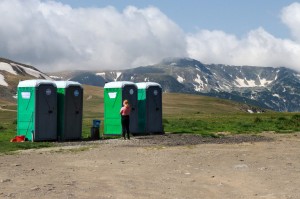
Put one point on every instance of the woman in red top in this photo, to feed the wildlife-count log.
(125, 112)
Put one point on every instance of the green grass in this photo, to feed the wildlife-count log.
(242, 123)
(8, 131)
(182, 113)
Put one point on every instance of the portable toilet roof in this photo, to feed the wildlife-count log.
(119, 84)
(34, 83)
(145, 85)
(65, 84)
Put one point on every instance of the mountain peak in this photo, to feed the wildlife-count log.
(179, 61)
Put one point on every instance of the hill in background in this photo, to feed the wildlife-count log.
(174, 104)
(11, 73)
(266, 87)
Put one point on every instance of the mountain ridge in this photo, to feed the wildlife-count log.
(268, 87)
(12, 72)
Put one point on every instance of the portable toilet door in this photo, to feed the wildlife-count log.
(142, 111)
(70, 108)
(150, 107)
(37, 110)
(114, 95)
(130, 92)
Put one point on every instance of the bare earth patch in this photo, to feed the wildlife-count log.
(158, 166)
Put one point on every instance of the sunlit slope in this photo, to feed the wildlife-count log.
(173, 104)
(185, 104)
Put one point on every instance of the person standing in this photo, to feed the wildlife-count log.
(125, 119)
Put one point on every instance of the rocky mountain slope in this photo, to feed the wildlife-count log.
(11, 73)
(267, 87)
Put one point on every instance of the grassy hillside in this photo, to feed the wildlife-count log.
(214, 117)
(174, 105)
(182, 113)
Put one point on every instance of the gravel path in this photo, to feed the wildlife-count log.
(158, 166)
(170, 139)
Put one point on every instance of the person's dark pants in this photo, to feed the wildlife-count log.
(125, 126)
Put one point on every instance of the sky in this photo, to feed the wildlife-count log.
(117, 34)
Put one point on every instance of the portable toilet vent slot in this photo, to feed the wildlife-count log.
(112, 95)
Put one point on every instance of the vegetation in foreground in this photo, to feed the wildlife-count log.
(182, 114)
(8, 125)
(215, 125)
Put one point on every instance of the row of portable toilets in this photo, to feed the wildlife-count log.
(145, 100)
(52, 110)
(49, 110)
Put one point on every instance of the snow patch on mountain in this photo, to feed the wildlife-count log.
(32, 72)
(264, 81)
(100, 74)
(206, 81)
(244, 83)
(297, 75)
(55, 77)
(112, 75)
(7, 67)
(199, 85)
(2, 81)
(239, 82)
(225, 87)
(118, 75)
(180, 79)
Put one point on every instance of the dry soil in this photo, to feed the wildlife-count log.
(158, 166)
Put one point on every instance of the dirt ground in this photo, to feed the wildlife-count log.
(160, 166)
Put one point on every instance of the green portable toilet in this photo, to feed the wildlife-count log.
(69, 110)
(149, 108)
(37, 110)
(114, 95)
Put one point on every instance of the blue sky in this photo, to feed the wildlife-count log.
(232, 16)
(119, 34)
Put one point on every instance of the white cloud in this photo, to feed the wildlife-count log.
(52, 35)
(55, 36)
(258, 48)
(290, 16)
(212, 46)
